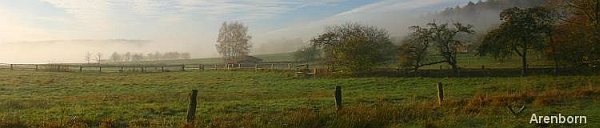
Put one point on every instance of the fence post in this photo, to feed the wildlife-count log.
(11, 66)
(255, 67)
(143, 69)
(100, 69)
(183, 67)
(36, 67)
(482, 67)
(192, 108)
(239, 66)
(289, 66)
(80, 68)
(272, 66)
(215, 65)
(338, 97)
(162, 68)
(440, 93)
(121, 69)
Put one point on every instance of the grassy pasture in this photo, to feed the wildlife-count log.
(277, 99)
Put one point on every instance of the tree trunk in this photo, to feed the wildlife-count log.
(524, 62)
(455, 69)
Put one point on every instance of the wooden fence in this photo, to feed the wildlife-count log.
(300, 69)
(150, 67)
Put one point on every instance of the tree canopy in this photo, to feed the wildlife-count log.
(355, 48)
(232, 41)
(521, 31)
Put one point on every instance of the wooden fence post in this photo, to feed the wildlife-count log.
(272, 66)
(215, 65)
(162, 68)
(482, 67)
(255, 67)
(36, 67)
(80, 68)
(440, 93)
(192, 108)
(183, 67)
(11, 67)
(121, 69)
(338, 97)
(239, 66)
(100, 67)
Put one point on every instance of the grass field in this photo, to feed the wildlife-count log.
(277, 99)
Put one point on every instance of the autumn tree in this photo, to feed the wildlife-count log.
(445, 39)
(355, 48)
(233, 41)
(521, 31)
(577, 39)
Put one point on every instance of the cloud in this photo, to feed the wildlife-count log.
(89, 15)
(247, 10)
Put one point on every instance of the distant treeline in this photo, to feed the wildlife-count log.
(131, 56)
(472, 9)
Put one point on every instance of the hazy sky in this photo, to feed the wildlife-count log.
(64, 30)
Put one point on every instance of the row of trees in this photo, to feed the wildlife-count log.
(357, 48)
(132, 57)
(568, 32)
(129, 56)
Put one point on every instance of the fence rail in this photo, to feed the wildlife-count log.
(300, 69)
(148, 67)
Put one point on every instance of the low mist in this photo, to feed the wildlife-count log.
(184, 27)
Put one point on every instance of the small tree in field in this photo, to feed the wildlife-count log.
(99, 58)
(88, 57)
(232, 42)
(115, 57)
(354, 47)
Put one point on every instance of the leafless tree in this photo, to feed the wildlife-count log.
(88, 57)
(98, 57)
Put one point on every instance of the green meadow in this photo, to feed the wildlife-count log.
(278, 99)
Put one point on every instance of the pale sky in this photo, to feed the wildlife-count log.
(41, 31)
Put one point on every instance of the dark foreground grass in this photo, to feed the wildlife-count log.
(276, 99)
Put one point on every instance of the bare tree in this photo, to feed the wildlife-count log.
(88, 57)
(98, 57)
